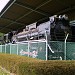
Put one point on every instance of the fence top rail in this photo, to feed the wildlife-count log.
(43, 40)
(36, 41)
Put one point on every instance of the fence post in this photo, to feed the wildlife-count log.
(65, 50)
(46, 46)
(10, 48)
(65, 45)
(1, 48)
(5, 48)
(17, 48)
(28, 48)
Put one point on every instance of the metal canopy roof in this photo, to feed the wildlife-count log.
(24, 12)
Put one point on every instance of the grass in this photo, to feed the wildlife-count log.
(21, 65)
(3, 72)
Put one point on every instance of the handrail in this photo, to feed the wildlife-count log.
(50, 48)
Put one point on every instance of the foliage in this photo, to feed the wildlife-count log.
(1, 34)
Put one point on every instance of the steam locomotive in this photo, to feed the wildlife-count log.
(57, 27)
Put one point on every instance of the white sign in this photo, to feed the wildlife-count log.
(33, 54)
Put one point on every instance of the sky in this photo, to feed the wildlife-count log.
(3, 3)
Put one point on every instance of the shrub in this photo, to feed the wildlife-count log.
(21, 65)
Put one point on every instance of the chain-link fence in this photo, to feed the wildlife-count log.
(41, 50)
(58, 48)
(34, 49)
(70, 51)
